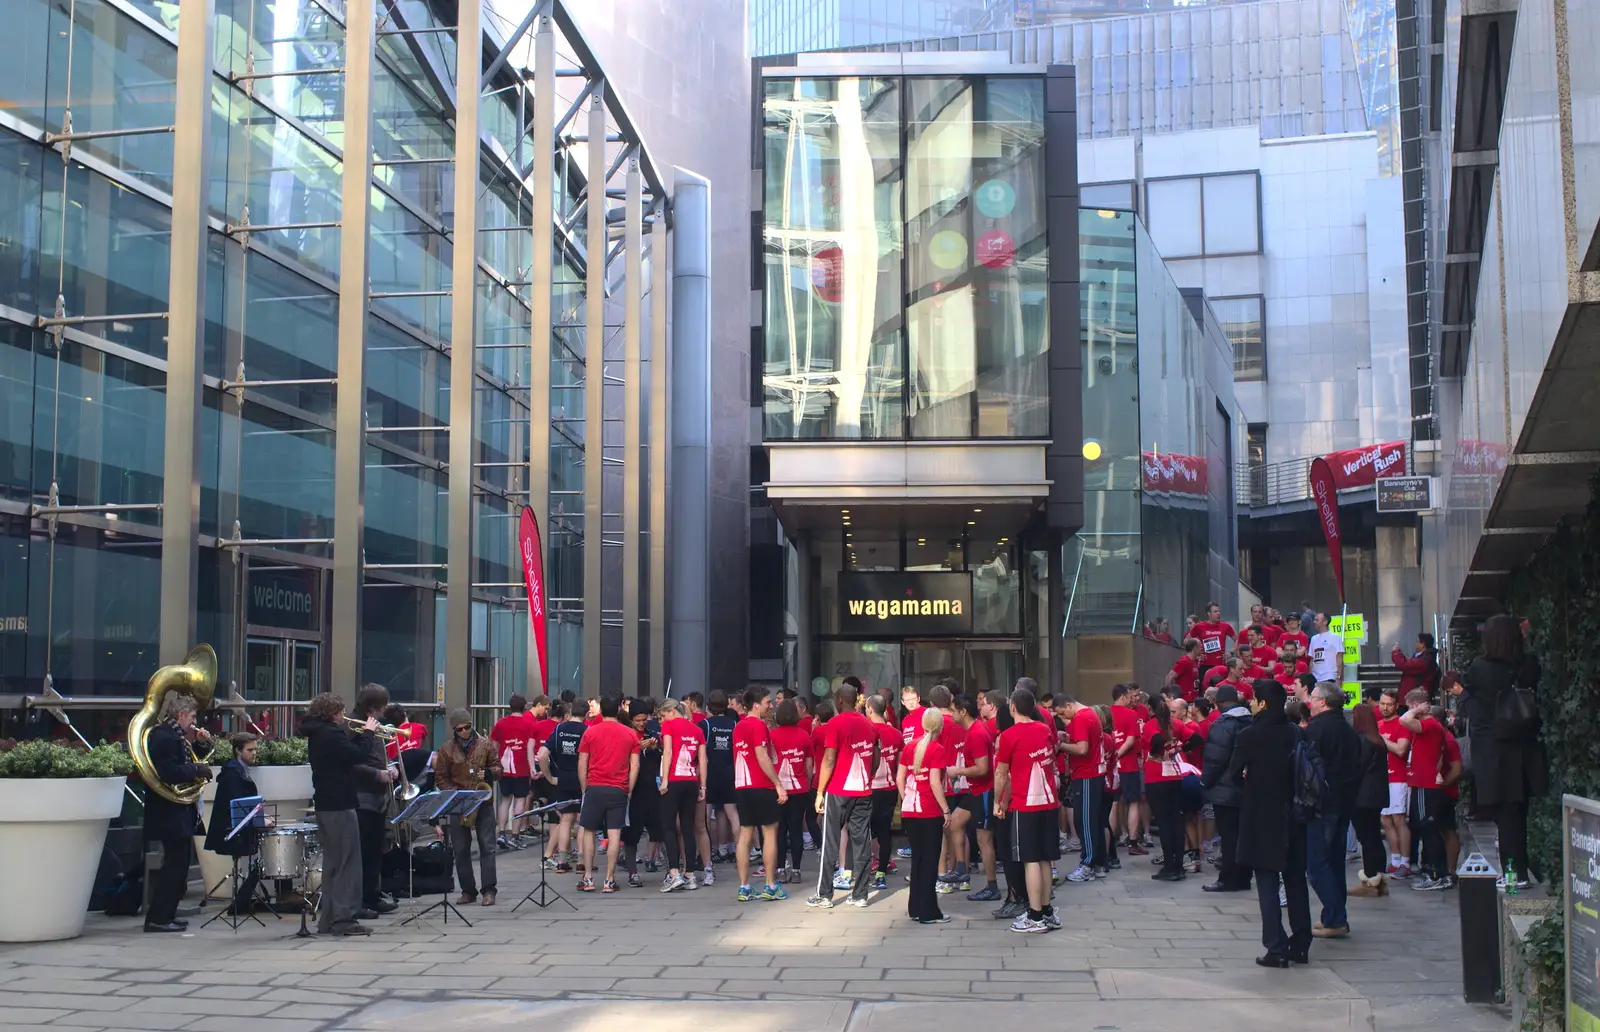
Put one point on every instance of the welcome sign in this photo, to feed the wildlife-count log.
(896, 604)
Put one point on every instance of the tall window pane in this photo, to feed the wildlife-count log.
(1174, 216)
(1231, 215)
(832, 259)
(1242, 321)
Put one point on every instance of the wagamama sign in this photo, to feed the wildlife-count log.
(895, 604)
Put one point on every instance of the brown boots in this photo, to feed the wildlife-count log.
(1378, 885)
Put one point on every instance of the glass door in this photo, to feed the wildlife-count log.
(263, 669)
(928, 662)
(303, 674)
(876, 663)
(991, 665)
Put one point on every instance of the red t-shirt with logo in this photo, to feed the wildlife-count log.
(1029, 749)
(1084, 727)
(1213, 638)
(543, 728)
(1452, 754)
(1186, 675)
(608, 745)
(750, 737)
(852, 735)
(1394, 731)
(510, 736)
(1300, 636)
(1157, 769)
(687, 738)
(979, 745)
(954, 740)
(1264, 655)
(911, 725)
(1427, 747)
(889, 748)
(1125, 725)
(793, 746)
(919, 800)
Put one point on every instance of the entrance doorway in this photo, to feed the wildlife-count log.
(280, 670)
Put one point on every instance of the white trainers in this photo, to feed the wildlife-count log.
(708, 878)
(691, 883)
(1051, 919)
(1028, 926)
(674, 882)
(842, 880)
(1081, 874)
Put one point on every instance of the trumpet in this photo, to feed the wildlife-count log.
(404, 791)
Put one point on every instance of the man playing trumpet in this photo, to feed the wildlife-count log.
(339, 766)
(469, 761)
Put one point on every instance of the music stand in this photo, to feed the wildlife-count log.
(453, 805)
(419, 809)
(542, 895)
(231, 915)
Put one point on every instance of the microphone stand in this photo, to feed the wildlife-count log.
(543, 895)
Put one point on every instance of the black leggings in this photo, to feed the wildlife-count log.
(791, 830)
(883, 801)
(1108, 799)
(925, 834)
(677, 808)
(1166, 806)
(1369, 832)
(644, 815)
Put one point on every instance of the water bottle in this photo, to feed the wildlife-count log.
(1511, 879)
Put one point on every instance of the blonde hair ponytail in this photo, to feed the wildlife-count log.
(932, 724)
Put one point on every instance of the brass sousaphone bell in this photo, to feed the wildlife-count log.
(196, 677)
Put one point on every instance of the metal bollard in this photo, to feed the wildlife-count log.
(1480, 930)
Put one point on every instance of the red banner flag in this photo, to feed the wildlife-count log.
(533, 577)
(1325, 494)
(1360, 467)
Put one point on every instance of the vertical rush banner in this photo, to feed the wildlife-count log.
(533, 577)
(1325, 495)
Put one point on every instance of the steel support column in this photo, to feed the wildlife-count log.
(660, 447)
(632, 416)
(594, 342)
(544, 170)
(186, 284)
(349, 449)
(463, 326)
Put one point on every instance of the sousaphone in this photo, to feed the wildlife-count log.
(196, 677)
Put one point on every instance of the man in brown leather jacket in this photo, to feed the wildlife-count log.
(467, 760)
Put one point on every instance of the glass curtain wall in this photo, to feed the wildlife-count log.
(82, 416)
(904, 257)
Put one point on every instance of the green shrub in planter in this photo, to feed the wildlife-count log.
(270, 752)
(46, 759)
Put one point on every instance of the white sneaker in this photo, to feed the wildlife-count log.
(842, 880)
(1081, 874)
(1051, 919)
(691, 883)
(674, 882)
(1028, 926)
(708, 878)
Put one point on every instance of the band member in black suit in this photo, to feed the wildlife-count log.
(172, 825)
(339, 766)
(235, 783)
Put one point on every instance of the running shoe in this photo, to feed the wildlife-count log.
(880, 880)
(857, 901)
(1080, 874)
(1401, 870)
(652, 866)
(1009, 909)
(842, 880)
(1115, 863)
(585, 884)
(1100, 872)
(942, 919)
(1028, 926)
(1051, 920)
(904, 852)
(1500, 883)
(1429, 884)
(944, 888)
(603, 846)
(609, 886)
(708, 878)
(949, 876)
(562, 868)
(549, 864)
(805, 839)
(579, 866)
(820, 902)
(1451, 879)
(691, 882)
(746, 894)
(635, 882)
(773, 892)
(674, 882)
(1055, 875)
(1136, 849)
(963, 885)
(985, 895)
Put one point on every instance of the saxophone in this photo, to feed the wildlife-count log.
(480, 784)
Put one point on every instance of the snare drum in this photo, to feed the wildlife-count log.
(283, 850)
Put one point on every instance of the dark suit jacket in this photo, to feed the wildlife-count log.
(233, 783)
(1261, 764)
(169, 754)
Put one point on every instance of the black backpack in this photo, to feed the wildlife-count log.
(1309, 778)
(1516, 715)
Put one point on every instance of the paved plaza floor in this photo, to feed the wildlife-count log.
(1134, 955)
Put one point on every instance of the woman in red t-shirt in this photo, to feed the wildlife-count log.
(883, 785)
(682, 783)
(924, 814)
(791, 744)
(821, 713)
(1163, 787)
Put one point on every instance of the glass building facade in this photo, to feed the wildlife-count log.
(89, 92)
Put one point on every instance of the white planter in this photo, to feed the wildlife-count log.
(52, 832)
(288, 789)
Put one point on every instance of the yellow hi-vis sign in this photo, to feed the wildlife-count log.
(1352, 628)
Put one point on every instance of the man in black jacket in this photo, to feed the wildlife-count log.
(338, 763)
(173, 825)
(1340, 748)
(1223, 792)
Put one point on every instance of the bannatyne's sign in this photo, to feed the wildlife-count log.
(905, 603)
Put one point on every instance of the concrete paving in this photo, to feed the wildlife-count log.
(1134, 955)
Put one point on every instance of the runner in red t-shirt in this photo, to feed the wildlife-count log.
(757, 793)
(512, 735)
(1426, 778)
(1127, 811)
(791, 742)
(608, 766)
(1396, 825)
(1213, 633)
(978, 769)
(683, 790)
(1293, 633)
(884, 797)
(1025, 791)
(1261, 653)
(1451, 762)
(1163, 737)
(1080, 744)
(844, 795)
(1185, 673)
(912, 703)
(925, 816)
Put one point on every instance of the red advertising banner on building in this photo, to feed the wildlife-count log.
(533, 577)
(1361, 467)
(1325, 495)
(1173, 474)
(1480, 458)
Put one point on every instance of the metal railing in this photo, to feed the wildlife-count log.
(1274, 483)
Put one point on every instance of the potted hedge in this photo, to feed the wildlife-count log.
(283, 777)
(56, 801)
